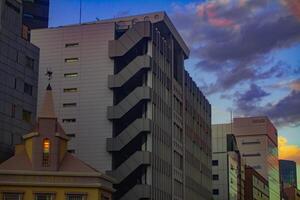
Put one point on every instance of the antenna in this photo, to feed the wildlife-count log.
(80, 12)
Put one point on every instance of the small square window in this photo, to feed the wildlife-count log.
(215, 177)
(215, 162)
(215, 191)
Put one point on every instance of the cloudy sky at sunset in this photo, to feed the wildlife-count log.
(245, 54)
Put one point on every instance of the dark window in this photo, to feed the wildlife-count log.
(68, 105)
(28, 89)
(29, 62)
(215, 177)
(76, 197)
(215, 162)
(251, 155)
(71, 45)
(70, 75)
(215, 191)
(15, 83)
(12, 196)
(72, 120)
(252, 142)
(71, 135)
(26, 116)
(71, 150)
(13, 111)
(44, 196)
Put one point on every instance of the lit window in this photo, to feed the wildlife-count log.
(69, 90)
(71, 44)
(72, 120)
(71, 60)
(46, 152)
(44, 196)
(26, 116)
(12, 196)
(70, 75)
(68, 105)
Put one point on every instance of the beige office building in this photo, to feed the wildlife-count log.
(257, 142)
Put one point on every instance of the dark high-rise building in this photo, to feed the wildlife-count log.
(128, 104)
(288, 172)
(18, 78)
(36, 13)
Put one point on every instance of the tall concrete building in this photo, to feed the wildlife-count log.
(256, 186)
(130, 107)
(257, 142)
(228, 169)
(288, 172)
(18, 78)
(36, 13)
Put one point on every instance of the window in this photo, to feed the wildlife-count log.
(72, 120)
(13, 111)
(69, 90)
(12, 196)
(71, 151)
(71, 135)
(71, 44)
(70, 75)
(251, 142)
(215, 191)
(71, 60)
(251, 155)
(44, 196)
(215, 177)
(215, 162)
(76, 196)
(26, 116)
(26, 15)
(68, 105)
(28, 89)
(15, 83)
(178, 188)
(46, 152)
(29, 62)
(178, 161)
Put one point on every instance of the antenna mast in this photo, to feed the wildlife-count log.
(80, 12)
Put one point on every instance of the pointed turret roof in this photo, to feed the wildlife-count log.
(47, 110)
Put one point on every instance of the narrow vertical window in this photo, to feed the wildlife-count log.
(46, 152)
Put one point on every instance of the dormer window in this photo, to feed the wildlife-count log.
(46, 152)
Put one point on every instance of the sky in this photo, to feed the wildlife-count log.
(245, 54)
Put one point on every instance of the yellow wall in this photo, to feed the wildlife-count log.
(28, 147)
(92, 193)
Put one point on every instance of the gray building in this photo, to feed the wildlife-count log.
(228, 169)
(131, 109)
(36, 13)
(18, 78)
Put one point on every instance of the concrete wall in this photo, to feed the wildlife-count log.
(92, 98)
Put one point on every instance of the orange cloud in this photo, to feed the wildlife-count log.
(293, 6)
(288, 151)
(295, 85)
(209, 12)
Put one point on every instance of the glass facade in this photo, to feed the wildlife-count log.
(288, 172)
